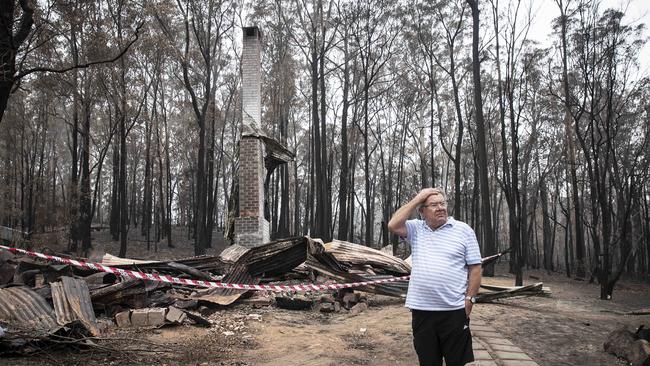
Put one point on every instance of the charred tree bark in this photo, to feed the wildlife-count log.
(123, 208)
(547, 235)
(115, 195)
(487, 231)
(12, 36)
(85, 207)
(148, 179)
(344, 175)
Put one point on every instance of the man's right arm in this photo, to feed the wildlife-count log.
(397, 223)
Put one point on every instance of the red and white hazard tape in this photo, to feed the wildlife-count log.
(185, 281)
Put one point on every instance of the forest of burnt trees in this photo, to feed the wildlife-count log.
(126, 114)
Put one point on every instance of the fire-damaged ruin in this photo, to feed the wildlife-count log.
(259, 154)
(44, 302)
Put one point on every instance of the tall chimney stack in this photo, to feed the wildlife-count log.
(251, 228)
(251, 80)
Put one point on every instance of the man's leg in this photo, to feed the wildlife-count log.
(456, 339)
(425, 338)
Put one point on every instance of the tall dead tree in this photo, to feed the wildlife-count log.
(12, 37)
(572, 165)
(487, 233)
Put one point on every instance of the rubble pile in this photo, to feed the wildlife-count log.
(44, 302)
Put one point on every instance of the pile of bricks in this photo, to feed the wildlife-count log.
(150, 317)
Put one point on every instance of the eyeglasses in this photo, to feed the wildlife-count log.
(436, 204)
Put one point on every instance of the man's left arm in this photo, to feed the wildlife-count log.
(473, 283)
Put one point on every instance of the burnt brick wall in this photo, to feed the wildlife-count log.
(251, 229)
(251, 79)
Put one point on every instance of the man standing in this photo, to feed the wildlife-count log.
(444, 281)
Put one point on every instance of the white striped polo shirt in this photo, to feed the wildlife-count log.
(440, 258)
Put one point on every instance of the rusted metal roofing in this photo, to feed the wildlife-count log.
(71, 299)
(212, 264)
(23, 310)
(270, 259)
(362, 255)
(232, 253)
(390, 289)
(277, 257)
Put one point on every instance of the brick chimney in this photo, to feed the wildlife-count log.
(251, 228)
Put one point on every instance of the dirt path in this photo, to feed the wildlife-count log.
(378, 336)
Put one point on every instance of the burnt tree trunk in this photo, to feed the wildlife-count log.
(487, 232)
(12, 37)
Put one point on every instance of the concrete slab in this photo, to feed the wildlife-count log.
(505, 348)
(518, 363)
(482, 363)
(484, 328)
(476, 345)
(502, 355)
(482, 355)
(483, 334)
(496, 340)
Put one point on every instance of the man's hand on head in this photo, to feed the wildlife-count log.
(425, 193)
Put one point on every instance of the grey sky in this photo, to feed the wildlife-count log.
(636, 11)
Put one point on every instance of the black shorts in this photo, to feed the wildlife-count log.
(438, 334)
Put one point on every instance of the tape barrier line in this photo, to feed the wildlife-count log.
(200, 283)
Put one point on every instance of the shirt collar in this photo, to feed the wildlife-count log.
(450, 222)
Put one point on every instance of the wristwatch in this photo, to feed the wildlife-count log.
(471, 299)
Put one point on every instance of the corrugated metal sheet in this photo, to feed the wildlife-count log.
(390, 289)
(362, 255)
(277, 257)
(232, 253)
(212, 264)
(71, 299)
(23, 309)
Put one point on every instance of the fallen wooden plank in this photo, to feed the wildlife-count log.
(191, 271)
(389, 289)
(530, 290)
(111, 260)
(504, 288)
(645, 311)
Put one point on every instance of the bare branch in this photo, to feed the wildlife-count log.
(84, 65)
